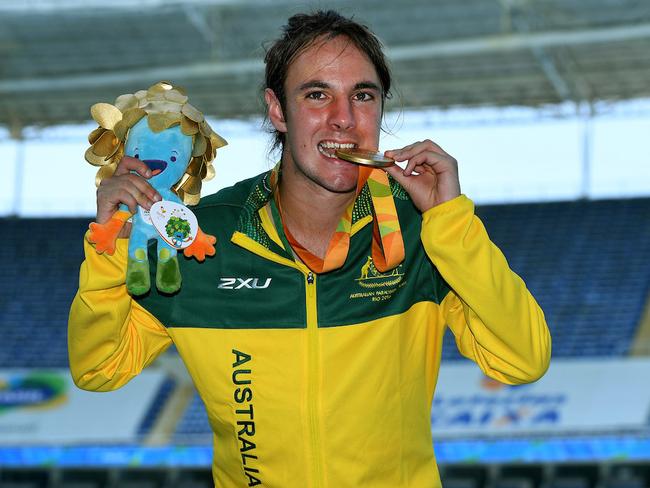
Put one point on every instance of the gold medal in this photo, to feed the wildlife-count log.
(365, 157)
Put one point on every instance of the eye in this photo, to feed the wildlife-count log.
(136, 155)
(173, 159)
(364, 96)
(315, 95)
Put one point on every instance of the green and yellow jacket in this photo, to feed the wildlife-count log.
(315, 380)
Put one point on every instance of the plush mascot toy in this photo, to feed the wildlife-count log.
(161, 129)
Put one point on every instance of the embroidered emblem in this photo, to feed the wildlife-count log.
(371, 277)
(375, 285)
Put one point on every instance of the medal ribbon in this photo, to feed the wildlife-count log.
(387, 242)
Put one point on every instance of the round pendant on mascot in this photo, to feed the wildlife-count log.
(175, 223)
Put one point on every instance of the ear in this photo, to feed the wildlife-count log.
(276, 115)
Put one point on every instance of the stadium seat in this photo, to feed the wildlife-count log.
(632, 482)
(570, 482)
(21, 484)
(142, 478)
(519, 482)
(628, 476)
(24, 478)
(462, 476)
(83, 478)
(195, 484)
(521, 476)
(195, 479)
(194, 422)
(79, 484)
(139, 484)
(460, 483)
(578, 475)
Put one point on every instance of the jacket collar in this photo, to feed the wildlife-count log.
(250, 222)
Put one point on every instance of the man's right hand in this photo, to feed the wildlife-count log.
(127, 187)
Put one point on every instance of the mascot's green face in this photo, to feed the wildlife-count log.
(166, 153)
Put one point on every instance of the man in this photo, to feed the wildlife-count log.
(316, 352)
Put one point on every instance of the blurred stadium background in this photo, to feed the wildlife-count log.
(546, 104)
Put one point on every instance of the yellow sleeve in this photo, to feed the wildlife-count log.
(111, 338)
(496, 321)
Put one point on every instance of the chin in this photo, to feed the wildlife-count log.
(343, 189)
(346, 185)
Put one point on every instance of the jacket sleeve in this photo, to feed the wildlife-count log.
(111, 338)
(496, 321)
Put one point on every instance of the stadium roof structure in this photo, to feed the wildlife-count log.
(58, 57)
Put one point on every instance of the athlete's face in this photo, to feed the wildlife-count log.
(333, 99)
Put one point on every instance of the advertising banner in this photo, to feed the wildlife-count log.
(575, 396)
(44, 406)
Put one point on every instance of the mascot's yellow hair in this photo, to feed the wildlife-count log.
(164, 105)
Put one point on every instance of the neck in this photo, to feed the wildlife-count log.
(312, 213)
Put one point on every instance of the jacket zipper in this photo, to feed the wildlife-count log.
(313, 377)
(313, 359)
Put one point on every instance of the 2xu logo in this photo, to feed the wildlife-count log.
(239, 283)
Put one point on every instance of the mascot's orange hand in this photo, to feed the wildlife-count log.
(105, 235)
(202, 246)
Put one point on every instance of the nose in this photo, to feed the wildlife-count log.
(341, 116)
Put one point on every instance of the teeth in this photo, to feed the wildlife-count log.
(336, 145)
(322, 146)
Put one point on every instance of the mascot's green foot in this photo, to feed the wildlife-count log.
(168, 275)
(137, 277)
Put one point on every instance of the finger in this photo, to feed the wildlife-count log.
(437, 147)
(139, 189)
(435, 160)
(129, 180)
(128, 164)
(148, 192)
(423, 167)
(130, 190)
(397, 173)
(108, 202)
(126, 197)
(413, 178)
(392, 153)
(411, 150)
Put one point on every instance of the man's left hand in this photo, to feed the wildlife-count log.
(436, 180)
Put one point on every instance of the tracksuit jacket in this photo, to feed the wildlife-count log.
(315, 380)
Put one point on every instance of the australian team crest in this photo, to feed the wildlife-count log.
(371, 277)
